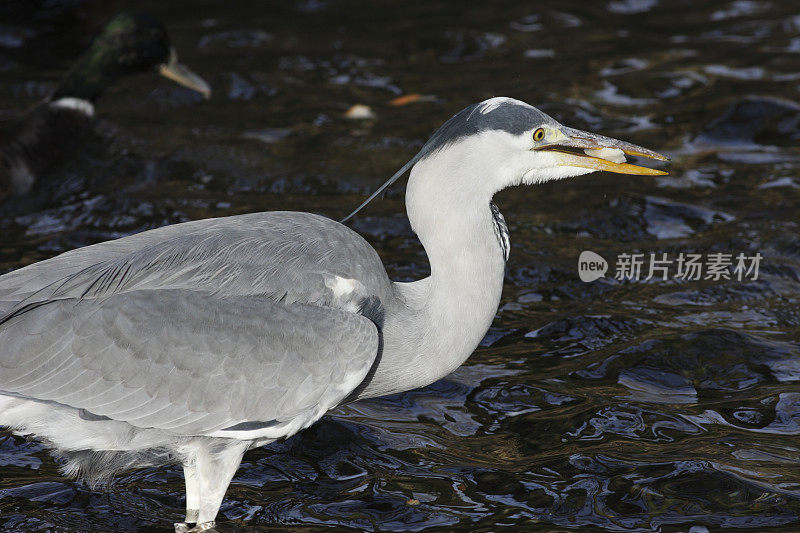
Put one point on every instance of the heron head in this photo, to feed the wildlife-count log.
(502, 142)
(508, 142)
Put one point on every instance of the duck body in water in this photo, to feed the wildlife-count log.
(33, 142)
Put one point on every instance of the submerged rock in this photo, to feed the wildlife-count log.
(676, 367)
(756, 119)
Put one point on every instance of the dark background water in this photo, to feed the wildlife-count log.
(612, 405)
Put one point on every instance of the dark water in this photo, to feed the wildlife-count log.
(650, 405)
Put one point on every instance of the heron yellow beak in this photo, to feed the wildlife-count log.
(181, 74)
(599, 152)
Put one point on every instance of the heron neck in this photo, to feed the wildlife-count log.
(442, 319)
(466, 282)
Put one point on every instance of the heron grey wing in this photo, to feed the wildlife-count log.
(188, 362)
(17, 285)
(295, 257)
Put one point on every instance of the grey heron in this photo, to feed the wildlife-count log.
(195, 342)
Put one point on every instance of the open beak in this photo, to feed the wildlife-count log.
(599, 152)
(181, 74)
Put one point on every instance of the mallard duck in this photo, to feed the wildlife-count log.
(33, 141)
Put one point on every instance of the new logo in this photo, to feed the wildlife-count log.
(591, 266)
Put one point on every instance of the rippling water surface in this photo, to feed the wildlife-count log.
(627, 405)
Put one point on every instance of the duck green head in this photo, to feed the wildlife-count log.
(130, 43)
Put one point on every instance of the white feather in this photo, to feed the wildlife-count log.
(78, 104)
(487, 106)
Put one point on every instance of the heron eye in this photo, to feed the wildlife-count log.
(538, 135)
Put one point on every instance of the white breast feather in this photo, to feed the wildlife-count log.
(78, 104)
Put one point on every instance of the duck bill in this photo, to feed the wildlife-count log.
(181, 74)
(600, 153)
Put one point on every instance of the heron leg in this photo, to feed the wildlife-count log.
(214, 468)
(192, 492)
(192, 498)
